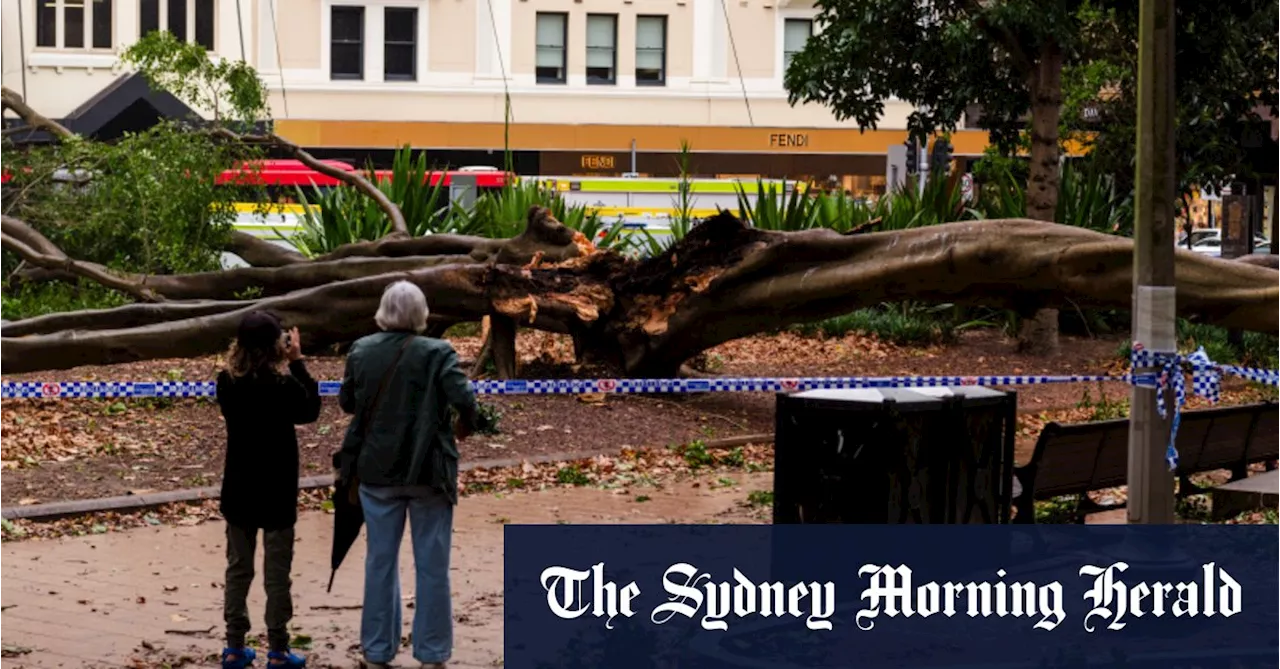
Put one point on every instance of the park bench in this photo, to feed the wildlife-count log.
(1076, 459)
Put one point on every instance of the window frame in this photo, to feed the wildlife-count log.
(797, 19)
(564, 50)
(613, 52)
(666, 24)
(361, 10)
(190, 24)
(387, 44)
(89, 23)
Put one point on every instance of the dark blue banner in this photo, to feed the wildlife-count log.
(891, 596)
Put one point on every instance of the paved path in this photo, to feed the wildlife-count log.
(111, 600)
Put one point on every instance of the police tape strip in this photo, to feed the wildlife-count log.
(117, 389)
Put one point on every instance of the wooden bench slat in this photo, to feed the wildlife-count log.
(1076, 459)
(1265, 443)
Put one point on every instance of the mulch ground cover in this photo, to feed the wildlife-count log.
(56, 450)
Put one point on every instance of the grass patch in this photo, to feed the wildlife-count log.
(696, 455)
(760, 498)
(572, 475)
(459, 330)
(1103, 408)
(1056, 511)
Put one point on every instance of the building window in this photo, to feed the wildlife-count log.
(795, 32)
(602, 48)
(551, 38)
(400, 44)
(83, 22)
(651, 50)
(187, 20)
(346, 45)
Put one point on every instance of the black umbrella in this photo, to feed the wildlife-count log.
(348, 518)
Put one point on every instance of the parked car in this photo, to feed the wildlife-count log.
(1198, 235)
(1211, 244)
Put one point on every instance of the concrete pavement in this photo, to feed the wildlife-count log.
(150, 597)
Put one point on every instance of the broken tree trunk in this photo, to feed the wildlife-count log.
(723, 281)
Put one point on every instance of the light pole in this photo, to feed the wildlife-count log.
(1154, 307)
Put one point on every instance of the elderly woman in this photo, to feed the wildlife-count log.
(400, 386)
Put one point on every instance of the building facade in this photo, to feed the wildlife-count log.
(590, 87)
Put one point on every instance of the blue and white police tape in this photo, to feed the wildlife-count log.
(137, 389)
(1206, 381)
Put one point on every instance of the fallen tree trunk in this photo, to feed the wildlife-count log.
(325, 315)
(119, 318)
(260, 252)
(272, 281)
(1261, 260)
(795, 277)
(723, 281)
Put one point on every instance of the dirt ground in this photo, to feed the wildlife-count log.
(55, 450)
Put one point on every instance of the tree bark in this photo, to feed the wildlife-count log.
(119, 318)
(260, 252)
(502, 339)
(1039, 333)
(35, 120)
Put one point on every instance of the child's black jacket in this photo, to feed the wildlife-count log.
(260, 481)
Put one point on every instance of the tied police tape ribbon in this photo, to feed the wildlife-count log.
(1206, 381)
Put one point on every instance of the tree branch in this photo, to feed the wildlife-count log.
(53, 258)
(398, 225)
(1005, 37)
(260, 252)
(34, 119)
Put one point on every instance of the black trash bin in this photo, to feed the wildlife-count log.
(889, 455)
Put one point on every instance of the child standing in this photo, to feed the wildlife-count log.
(260, 406)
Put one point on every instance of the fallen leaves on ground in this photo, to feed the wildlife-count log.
(787, 348)
(630, 469)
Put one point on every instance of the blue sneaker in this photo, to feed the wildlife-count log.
(285, 659)
(237, 658)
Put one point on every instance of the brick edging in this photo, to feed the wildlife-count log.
(54, 510)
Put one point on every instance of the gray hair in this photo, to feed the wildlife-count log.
(403, 307)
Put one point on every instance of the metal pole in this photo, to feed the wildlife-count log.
(633, 156)
(240, 22)
(22, 50)
(1151, 499)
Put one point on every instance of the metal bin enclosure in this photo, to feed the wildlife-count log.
(888, 455)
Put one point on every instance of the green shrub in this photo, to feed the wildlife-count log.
(30, 300)
(905, 324)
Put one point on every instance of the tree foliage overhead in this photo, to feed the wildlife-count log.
(940, 57)
(1225, 63)
(948, 55)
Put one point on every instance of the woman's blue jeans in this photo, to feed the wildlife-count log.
(431, 530)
